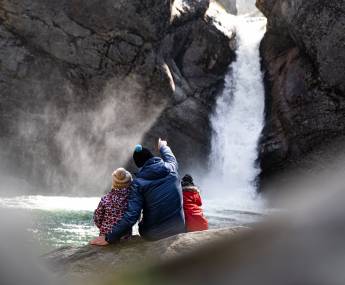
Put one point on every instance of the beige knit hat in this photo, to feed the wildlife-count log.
(121, 178)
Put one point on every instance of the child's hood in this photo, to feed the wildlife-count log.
(190, 189)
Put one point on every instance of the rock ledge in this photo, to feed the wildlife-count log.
(88, 260)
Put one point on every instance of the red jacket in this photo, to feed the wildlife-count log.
(195, 220)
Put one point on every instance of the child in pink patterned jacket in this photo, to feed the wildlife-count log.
(113, 205)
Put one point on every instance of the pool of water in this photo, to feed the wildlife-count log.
(60, 221)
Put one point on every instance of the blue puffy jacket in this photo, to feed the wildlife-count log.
(157, 191)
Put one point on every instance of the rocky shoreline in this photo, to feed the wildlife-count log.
(93, 260)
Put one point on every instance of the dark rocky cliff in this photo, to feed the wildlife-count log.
(83, 81)
(304, 60)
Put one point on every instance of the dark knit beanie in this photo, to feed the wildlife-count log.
(187, 180)
(141, 155)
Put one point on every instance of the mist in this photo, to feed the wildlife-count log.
(73, 150)
(19, 254)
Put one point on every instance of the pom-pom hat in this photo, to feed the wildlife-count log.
(121, 178)
(141, 155)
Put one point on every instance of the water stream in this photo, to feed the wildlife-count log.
(238, 121)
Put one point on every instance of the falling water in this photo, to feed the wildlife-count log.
(239, 117)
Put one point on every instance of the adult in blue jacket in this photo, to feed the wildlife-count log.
(156, 191)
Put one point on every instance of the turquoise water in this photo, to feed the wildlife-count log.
(56, 221)
(60, 221)
(58, 227)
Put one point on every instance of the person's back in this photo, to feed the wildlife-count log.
(195, 219)
(112, 206)
(162, 211)
(157, 191)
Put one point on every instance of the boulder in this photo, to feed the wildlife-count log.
(84, 81)
(90, 260)
(304, 63)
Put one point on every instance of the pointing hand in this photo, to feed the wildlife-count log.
(161, 143)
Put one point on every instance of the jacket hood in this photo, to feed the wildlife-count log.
(154, 168)
(190, 189)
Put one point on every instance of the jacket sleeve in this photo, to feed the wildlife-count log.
(169, 158)
(131, 216)
(99, 214)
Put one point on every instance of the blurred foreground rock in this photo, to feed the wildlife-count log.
(91, 260)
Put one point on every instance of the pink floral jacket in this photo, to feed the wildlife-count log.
(111, 209)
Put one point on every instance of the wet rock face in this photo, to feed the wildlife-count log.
(304, 60)
(83, 81)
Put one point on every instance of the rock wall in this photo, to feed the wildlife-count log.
(304, 59)
(228, 5)
(83, 81)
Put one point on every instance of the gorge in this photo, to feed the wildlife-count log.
(250, 95)
(70, 79)
(82, 83)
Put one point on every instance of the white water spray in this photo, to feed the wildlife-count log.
(238, 120)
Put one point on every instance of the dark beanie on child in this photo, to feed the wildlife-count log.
(141, 155)
(187, 181)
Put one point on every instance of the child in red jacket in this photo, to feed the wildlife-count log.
(195, 220)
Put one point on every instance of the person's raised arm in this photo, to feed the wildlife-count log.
(131, 216)
(167, 155)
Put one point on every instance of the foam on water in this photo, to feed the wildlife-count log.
(50, 203)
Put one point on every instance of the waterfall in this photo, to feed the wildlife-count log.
(238, 118)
